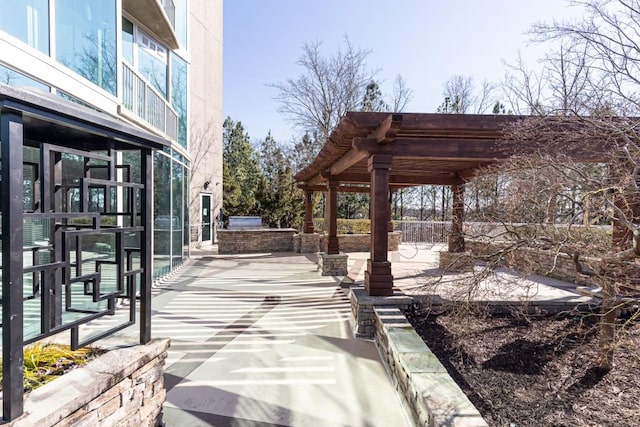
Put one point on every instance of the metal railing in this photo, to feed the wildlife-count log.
(144, 101)
(423, 231)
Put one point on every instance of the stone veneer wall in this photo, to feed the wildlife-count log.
(332, 264)
(255, 240)
(559, 267)
(123, 387)
(429, 394)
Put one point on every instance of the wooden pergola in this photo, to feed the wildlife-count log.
(382, 152)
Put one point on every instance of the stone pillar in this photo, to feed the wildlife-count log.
(378, 278)
(333, 247)
(308, 212)
(456, 238)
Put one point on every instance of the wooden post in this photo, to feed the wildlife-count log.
(390, 225)
(456, 238)
(378, 278)
(308, 212)
(333, 247)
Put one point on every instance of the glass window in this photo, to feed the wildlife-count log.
(185, 201)
(162, 220)
(28, 20)
(13, 78)
(152, 62)
(86, 39)
(127, 40)
(177, 196)
(181, 22)
(179, 95)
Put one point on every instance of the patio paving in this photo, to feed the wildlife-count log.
(261, 340)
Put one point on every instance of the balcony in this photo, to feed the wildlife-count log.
(146, 103)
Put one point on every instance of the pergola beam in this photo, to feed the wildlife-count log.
(351, 158)
(387, 129)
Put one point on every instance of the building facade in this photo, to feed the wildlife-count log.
(156, 64)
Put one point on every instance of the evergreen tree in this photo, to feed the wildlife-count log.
(281, 202)
(241, 174)
(373, 100)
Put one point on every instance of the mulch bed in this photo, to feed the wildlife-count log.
(537, 371)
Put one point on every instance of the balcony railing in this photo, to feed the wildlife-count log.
(145, 102)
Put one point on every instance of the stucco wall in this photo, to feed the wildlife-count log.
(205, 108)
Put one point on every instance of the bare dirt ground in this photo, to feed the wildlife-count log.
(537, 371)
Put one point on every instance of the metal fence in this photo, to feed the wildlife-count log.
(423, 231)
(140, 98)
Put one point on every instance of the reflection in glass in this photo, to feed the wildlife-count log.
(185, 248)
(152, 63)
(13, 78)
(161, 215)
(86, 39)
(177, 197)
(181, 22)
(179, 95)
(27, 20)
(127, 40)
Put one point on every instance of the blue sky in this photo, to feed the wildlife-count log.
(427, 41)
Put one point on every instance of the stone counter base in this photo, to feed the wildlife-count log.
(123, 387)
(262, 240)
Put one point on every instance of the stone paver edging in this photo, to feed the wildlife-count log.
(430, 395)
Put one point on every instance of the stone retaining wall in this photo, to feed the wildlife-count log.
(287, 240)
(123, 387)
(261, 240)
(430, 395)
(559, 267)
(362, 305)
(361, 242)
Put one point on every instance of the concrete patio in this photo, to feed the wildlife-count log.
(264, 340)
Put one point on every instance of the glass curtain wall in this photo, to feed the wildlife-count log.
(85, 34)
(170, 213)
(179, 95)
(27, 20)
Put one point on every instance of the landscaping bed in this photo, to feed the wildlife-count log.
(536, 371)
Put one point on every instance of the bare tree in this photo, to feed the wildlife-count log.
(401, 94)
(609, 37)
(328, 87)
(583, 198)
(523, 88)
(460, 96)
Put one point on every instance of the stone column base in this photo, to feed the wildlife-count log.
(332, 264)
(309, 243)
(362, 314)
(457, 262)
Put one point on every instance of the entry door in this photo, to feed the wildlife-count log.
(206, 218)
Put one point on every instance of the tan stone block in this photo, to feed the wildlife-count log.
(109, 407)
(80, 418)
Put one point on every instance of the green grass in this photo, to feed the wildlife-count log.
(45, 362)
